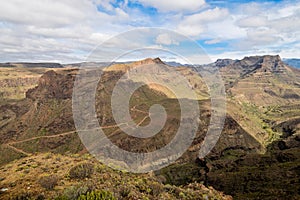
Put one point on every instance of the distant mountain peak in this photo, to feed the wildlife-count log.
(249, 61)
(261, 59)
(149, 61)
(126, 66)
(272, 63)
(223, 62)
(272, 57)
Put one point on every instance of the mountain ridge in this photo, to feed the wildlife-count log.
(262, 116)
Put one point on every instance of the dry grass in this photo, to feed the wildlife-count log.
(23, 179)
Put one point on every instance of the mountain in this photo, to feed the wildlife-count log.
(262, 95)
(31, 65)
(83, 64)
(262, 80)
(219, 63)
(15, 80)
(293, 62)
(259, 144)
(47, 111)
(255, 87)
(223, 62)
(127, 66)
(176, 64)
(42, 122)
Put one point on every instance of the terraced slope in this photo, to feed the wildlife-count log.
(263, 91)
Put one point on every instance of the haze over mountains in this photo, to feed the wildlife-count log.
(257, 155)
(293, 62)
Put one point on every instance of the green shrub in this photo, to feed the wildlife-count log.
(74, 192)
(97, 195)
(48, 181)
(21, 196)
(156, 188)
(124, 191)
(83, 170)
(62, 198)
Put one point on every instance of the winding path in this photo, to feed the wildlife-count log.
(10, 144)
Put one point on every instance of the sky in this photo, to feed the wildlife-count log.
(67, 31)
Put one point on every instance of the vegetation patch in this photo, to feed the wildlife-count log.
(48, 181)
(83, 170)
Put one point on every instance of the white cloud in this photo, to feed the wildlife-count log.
(224, 29)
(121, 15)
(55, 29)
(213, 41)
(287, 53)
(199, 59)
(292, 52)
(207, 16)
(106, 4)
(70, 29)
(287, 24)
(195, 24)
(270, 27)
(61, 32)
(165, 39)
(253, 21)
(262, 36)
(174, 5)
(250, 9)
(285, 10)
(45, 13)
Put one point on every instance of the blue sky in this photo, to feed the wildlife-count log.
(67, 31)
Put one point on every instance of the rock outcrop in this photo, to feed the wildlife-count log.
(53, 85)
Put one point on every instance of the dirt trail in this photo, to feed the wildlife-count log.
(142, 120)
(17, 150)
(10, 144)
(137, 110)
(39, 137)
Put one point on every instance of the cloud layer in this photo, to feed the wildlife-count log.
(67, 30)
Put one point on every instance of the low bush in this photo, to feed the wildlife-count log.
(83, 170)
(97, 195)
(48, 181)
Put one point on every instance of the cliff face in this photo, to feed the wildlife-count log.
(249, 65)
(223, 62)
(53, 85)
(46, 111)
(16, 80)
(266, 82)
